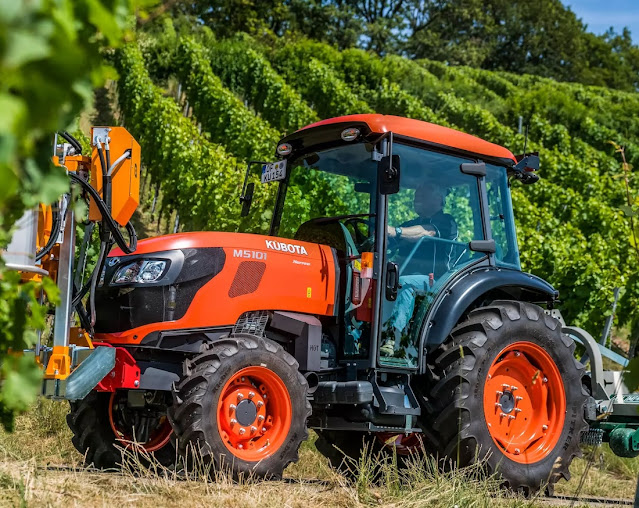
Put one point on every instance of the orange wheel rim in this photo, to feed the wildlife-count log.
(524, 402)
(254, 413)
(159, 437)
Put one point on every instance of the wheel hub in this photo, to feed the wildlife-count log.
(246, 412)
(507, 401)
(158, 434)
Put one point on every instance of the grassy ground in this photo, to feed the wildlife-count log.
(39, 466)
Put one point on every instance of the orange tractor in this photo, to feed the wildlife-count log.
(385, 308)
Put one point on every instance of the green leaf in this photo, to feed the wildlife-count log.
(25, 46)
(628, 211)
(104, 20)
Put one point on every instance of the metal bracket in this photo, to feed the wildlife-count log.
(596, 362)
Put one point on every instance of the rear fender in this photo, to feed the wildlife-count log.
(475, 288)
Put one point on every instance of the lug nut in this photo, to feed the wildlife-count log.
(517, 410)
(240, 396)
(260, 403)
(263, 429)
(511, 417)
(518, 398)
(545, 380)
(251, 395)
(505, 386)
(499, 392)
(544, 427)
(513, 388)
(497, 404)
(232, 407)
(253, 430)
(517, 353)
(502, 415)
(517, 451)
(242, 431)
(233, 421)
(260, 418)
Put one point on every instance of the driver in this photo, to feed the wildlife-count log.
(431, 221)
(430, 262)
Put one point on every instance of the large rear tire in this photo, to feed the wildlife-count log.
(242, 406)
(507, 390)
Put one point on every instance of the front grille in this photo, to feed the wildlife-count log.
(247, 278)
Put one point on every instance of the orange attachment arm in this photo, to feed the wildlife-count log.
(125, 191)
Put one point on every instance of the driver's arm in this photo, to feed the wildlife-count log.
(411, 233)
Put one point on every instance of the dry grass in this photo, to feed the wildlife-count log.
(39, 466)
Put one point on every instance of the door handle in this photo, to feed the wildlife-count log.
(392, 281)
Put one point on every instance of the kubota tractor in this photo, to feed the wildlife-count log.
(385, 308)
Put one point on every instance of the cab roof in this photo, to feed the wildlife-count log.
(423, 131)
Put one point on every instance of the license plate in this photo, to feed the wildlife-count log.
(273, 171)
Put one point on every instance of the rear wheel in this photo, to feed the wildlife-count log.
(242, 405)
(104, 423)
(507, 389)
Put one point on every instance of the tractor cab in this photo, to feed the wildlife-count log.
(407, 210)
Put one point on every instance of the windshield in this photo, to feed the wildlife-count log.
(330, 183)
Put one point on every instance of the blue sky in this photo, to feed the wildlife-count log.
(600, 15)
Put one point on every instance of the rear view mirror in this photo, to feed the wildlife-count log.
(388, 175)
(246, 199)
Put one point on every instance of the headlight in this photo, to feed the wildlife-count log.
(141, 271)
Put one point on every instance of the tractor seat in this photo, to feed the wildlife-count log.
(333, 234)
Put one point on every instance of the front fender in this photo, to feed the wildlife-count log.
(471, 287)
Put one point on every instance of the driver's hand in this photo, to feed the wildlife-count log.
(421, 231)
(412, 233)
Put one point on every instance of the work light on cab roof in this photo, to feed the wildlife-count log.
(284, 149)
(350, 134)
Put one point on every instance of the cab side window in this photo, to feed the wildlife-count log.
(501, 217)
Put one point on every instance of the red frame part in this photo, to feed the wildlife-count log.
(125, 374)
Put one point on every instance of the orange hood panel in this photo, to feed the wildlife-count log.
(259, 273)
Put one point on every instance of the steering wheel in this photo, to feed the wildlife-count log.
(363, 241)
(429, 238)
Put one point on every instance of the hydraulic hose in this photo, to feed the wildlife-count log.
(55, 231)
(99, 266)
(72, 141)
(118, 161)
(106, 216)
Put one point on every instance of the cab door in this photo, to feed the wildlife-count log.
(430, 223)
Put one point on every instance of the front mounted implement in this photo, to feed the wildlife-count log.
(73, 365)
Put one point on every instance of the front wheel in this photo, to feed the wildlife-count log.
(507, 389)
(242, 405)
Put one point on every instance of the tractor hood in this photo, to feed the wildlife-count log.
(209, 279)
